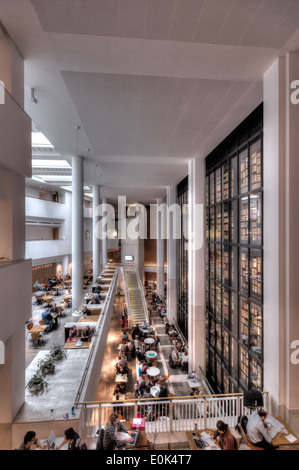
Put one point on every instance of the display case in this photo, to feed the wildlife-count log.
(244, 322)
(225, 181)
(256, 219)
(218, 185)
(256, 274)
(256, 330)
(234, 235)
(256, 165)
(244, 367)
(244, 173)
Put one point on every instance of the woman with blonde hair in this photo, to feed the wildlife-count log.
(110, 439)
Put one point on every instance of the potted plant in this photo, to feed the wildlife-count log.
(57, 353)
(46, 366)
(37, 384)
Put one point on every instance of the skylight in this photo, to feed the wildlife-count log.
(37, 163)
(39, 140)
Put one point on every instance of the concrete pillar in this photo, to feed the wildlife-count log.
(171, 256)
(281, 250)
(96, 245)
(196, 265)
(65, 265)
(77, 232)
(160, 248)
(104, 238)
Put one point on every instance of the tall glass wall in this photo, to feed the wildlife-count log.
(182, 261)
(234, 260)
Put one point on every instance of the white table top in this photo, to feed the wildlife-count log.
(153, 371)
(155, 390)
(149, 340)
(191, 384)
(151, 354)
(121, 379)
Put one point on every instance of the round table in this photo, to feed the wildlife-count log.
(149, 340)
(151, 354)
(155, 391)
(153, 371)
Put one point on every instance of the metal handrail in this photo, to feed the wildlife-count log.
(97, 331)
(140, 400)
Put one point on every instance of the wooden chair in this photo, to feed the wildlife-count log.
(245, 438)
(35, 337)
(29, 326)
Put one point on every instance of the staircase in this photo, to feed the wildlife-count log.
(136, 302)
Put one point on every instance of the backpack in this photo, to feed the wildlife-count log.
(242, 422)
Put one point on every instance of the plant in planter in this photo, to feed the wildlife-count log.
(46, 366)
(37, 384)
(57, 353)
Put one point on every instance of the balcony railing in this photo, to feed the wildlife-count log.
(176, 414)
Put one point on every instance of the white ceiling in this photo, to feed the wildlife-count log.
(151, 83)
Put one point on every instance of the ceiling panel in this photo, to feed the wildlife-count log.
(210, 21)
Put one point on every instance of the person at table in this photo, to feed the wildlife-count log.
(73, 439)
(140, 355)
(67, 277)
(110, 439)
(184, 361)
(175, 357)
(30, 440)
(141, 369)
(144, 326)
(147, 392)
(37, 286)
(121, 360)
(192, 375)
(226, 439)
(121, 369)
(124, 336)
(53, 311)
(47, 318)
(95, 300)
(257, 430)
(86, 333)
(136, 331)
(74, 332)
(172, 332)
(86, 311)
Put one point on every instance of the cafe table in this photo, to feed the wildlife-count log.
(151, 355)
(153, 371)
(121, 379)
(280, 440)
(48, 298)
(155, 390)
(149, 341)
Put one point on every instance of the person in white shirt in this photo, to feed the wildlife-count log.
(257, 430)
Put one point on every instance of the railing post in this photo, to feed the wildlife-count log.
(205, 414)
(171, 416)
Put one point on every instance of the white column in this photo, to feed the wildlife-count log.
(281, 248)
(171, 255)
(104, 237)
(196, 268)
(96, 245)
(65, 265)
(160, 249)
(77, 231)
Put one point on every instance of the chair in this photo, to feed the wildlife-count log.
(35, 337)
(245, 438)
(165, 377)
(29, 326)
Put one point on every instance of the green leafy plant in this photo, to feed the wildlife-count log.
(37, 384)
(46, 366)
(57, 353)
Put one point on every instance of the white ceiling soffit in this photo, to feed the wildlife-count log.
(151, 83)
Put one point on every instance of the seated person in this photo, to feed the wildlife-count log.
(226, 439)
(140, 355)
(30, 439)
(136, 331)
(36, 286)
(74, 332)
(175, 357)
(146, 392)
(125, 336)
(73, 439)
(86, 311)
(144, 326)
(142, 369)
(54, 310)
(124, 348)
(95, 300)
(113, 425)
(172, 332)
(184, 361)
(257, 430)
(86, 333)
(67, 277)
(192, 375)
(163, 392)
(47, 317)
(121, 360)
